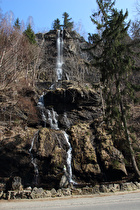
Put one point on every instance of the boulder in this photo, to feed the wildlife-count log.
(53, 192)
(114, 187)
(38, 193)
(16, 184)
(48, 194)
(96, 189)
(103, 189)
(66, 191)
(59, 193)
(87, 190)
(77, 191)
(64, 181)
(1, 194)
(137, 184)
(129, 186)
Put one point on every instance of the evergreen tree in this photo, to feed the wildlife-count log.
(56, 24)
(17, 24)
(68, 24)
(93, 38)
(135, 29)
(30, 34)
(115, 63)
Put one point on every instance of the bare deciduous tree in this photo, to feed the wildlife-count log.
(17, 56)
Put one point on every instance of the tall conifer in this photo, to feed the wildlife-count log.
(116, 64)
(56, 24)
(30, 34)
(68, 24)
(17, 24)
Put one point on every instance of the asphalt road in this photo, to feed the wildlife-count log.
(120, 201)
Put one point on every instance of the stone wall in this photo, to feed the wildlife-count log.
(37, 193)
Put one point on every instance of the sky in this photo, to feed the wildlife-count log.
(44, 12)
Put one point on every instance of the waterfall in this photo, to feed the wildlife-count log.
(59, 55)
(66, 120)
(52, 118)
(33, 161)
(41, 100)
(42, 108)
(53, 121)
(69, 157)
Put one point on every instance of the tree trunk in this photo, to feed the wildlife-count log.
(137, 172)
(103, 105)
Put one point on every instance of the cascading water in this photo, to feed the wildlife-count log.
(52, 116)
(69, 157)
(42, 108)
(33, 161)
(66, 120)
(59, 55)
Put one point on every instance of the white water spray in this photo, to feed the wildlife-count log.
(66, 120)
(52, 118)
(69, 157)
(33, 161)
(52, 115)
(53, 121)
(59, 55)
(42, 108)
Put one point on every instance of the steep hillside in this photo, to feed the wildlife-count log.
(74, 58)
(52, 131)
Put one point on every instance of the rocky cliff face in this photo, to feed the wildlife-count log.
(40, 155)
(63, 138)
(74, 57)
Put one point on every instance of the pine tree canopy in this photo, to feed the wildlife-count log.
(135, 29)
(67, 21)
(115, 62)
(30, 34)
(114, 57)
(56, 24)
(17, 24)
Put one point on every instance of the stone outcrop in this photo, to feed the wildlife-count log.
(80, 103)
(74, 57)
(47, 155)
(38, 155)
(111, 158)
(85, 159)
